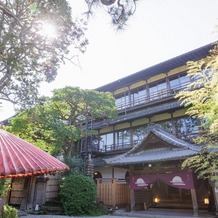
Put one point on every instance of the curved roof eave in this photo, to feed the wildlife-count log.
(152, 157)
(138, 154)
(163, 67)
(19, 158)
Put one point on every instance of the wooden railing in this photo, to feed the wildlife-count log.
(114, 147)
(143, 99)
(113, 192)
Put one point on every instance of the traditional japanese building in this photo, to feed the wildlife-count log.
(145, 146)
(29, 172)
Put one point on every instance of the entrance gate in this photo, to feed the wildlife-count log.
(113, 192)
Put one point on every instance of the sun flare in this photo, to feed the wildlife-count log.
(48, 30)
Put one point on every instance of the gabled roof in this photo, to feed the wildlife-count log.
(162, 67)
(157, 145)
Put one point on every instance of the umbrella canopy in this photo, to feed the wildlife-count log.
(19, 158)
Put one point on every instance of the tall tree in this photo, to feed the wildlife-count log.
(31, 51)
(201, 98)
(60, 121)
(119, 10)
(34, 40)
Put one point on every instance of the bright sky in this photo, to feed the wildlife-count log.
(159, 30)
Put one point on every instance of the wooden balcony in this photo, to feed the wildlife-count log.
(152, 98)
(97, 149)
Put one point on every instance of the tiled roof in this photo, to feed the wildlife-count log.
(140, 113)
(158, 68)
(172, 149)
(151, 156)
(19, 158)
(160, 133)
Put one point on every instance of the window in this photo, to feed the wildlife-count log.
(138, 134)
(123, 138)
(158, 90)
(106, 142)
(179, 82)
(153, 92)
(167, 125)
(122, 101)
(138, 96)
(187, 127)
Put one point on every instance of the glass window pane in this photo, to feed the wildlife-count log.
(162, 89)
(153, 92)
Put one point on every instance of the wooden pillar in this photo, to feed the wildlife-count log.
(114, 185)
(99, 189)
(132, 192)
(132, 199)
(40, 190)
(31, 192)
(215, 194)
(216, 200)
(112, 172)
(194, 202)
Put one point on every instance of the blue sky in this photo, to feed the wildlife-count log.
(159, 30)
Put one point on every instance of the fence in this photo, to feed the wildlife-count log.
(113, 192)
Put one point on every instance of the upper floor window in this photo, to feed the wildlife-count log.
(138, 96)
(139, 133)
(187, 127)
(122, 101)
(179, 82)
(168, 126)
(153, 91)
(158, 90)
(106, 141)
(123, 138)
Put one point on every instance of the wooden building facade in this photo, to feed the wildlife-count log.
(29, 172)
(151, 137)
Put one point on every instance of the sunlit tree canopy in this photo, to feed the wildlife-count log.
(57, 122)
(34, 40)
(119, 10)
(201, 99)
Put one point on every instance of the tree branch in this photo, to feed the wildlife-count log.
(9, 13)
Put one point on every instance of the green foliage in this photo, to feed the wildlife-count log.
(78, 195)
(76, 165)
(4, 187)
(119, 11)
(202, 101)
(29, 56)
(9, 212)
(59, 122)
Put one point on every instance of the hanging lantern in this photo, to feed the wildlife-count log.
(156, 199)
(206, 200)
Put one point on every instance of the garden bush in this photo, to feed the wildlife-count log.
(9, 212)
(78, 195)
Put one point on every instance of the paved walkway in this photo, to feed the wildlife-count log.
(58, 216)
(164, 213)
(151, 213)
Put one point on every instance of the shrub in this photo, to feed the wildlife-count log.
(9, 212)
(4, 187)
(78, 195)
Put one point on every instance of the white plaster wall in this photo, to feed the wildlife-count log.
(107, 172)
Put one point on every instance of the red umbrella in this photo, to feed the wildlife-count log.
(19, 158)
